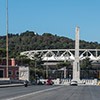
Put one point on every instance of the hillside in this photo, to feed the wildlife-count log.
(30, 41)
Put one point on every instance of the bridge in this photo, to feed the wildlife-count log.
(63, 54)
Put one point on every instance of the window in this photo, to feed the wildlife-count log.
(1, 73)
(10, 72)
(17, 73)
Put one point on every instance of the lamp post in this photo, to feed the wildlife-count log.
(35, 70)
(47, 68)
(7, 38)
(46, 71)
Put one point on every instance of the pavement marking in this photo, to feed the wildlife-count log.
(33, 93)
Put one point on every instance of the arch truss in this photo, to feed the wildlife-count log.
(63, 54)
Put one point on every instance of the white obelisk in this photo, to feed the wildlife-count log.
(76, 65)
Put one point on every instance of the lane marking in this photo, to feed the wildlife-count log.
(33, 93)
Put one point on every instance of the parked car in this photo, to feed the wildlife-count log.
(73, 83)
(49, 82)
(40, 83)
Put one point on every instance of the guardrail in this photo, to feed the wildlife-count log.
(3, 82)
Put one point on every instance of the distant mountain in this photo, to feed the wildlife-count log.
(29, 40)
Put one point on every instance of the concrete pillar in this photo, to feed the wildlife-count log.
(76, 64)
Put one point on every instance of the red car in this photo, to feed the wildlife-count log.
(49, 82)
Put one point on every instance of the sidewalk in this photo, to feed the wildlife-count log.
(10, 85)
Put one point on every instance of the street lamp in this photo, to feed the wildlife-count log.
(35, 70)
(7, 38)
(47, 71)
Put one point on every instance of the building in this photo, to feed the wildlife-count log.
(15, 72)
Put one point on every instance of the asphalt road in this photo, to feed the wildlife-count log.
(51, 93)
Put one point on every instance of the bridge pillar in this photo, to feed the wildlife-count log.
(76, 64)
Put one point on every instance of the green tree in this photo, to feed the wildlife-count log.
(66, 64)
(86, 66)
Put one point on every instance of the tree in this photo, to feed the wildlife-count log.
(23, 60)
(85, 66)
(86, 63)
(66, 64)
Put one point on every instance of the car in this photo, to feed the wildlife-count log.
(40, 83)
(49, 82)
(73, 83)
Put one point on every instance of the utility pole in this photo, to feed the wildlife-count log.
(46, 71)
(6, 38)
(35, 70)
(47, 68)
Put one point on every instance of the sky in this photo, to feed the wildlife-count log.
(58, 17)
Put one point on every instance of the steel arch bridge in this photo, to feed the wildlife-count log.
(63, 54)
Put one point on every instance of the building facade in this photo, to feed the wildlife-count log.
(15, 72)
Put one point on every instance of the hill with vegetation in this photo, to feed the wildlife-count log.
(30, 40)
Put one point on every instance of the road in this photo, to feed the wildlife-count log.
(51, 93)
